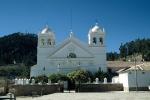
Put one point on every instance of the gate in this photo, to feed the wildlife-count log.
(71, 85)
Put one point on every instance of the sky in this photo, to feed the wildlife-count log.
(123, 20)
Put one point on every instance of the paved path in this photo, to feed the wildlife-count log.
(93, 96)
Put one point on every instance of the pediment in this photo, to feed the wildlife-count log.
(71, 46)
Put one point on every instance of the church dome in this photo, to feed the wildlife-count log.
(96, 29)
(47, 30)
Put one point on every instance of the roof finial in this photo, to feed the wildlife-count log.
(71, 33)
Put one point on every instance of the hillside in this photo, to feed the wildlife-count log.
(139, 49)
(19, 48)
(135, 48)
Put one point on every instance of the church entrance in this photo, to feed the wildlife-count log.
(71, 85)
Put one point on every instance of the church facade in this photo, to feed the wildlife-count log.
(71, 54)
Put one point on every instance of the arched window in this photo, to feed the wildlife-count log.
(49, 42)
(71, 55)
(42, 41)
(101, 40)
(94, 40)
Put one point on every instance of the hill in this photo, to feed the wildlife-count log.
(135, 48)
(18, 47)
(139, 49)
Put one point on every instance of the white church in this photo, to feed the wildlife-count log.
(71, 54)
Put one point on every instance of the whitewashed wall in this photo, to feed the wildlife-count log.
(123, 78)
(143, 78)
(115, 79)
(128, 79)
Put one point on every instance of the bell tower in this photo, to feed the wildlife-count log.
(46, 45)
(46, 38)
(96, 41)
(96, 36)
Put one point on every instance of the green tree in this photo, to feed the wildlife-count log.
(21, 47)
(111, 56)
(147, 56)
(12, 71)
(56, 77)
(123, 51)
(101, 75)
(42, 78)
(79, 75)
(138, 46)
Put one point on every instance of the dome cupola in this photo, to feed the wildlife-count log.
(96, 36)
(46, 37)
(96, 29)
(47, 30)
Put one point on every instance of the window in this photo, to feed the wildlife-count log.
(49, 42)
(101, 40)
(71, 55)
(94, 40)
(42, 41)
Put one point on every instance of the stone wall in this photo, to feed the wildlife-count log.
(98, 87)
(24, 90)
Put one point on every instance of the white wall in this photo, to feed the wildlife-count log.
(128, 79)
(143, 78)
(123, 78)
(85, 55)
(115, 79)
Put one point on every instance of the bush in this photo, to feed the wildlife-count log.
(42, 78)
(56, 77)
(101, 75)
(79, 76)
(15, 70)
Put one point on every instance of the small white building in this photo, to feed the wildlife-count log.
(134, 78)
(71, 54)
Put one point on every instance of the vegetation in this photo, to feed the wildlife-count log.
(81, 76)
(139, 46)
(42, 78)
(132, 48)
(78, 75)
(100, 75)
(112, 56)
(57, 77)
(12, 71)
(19, 48)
